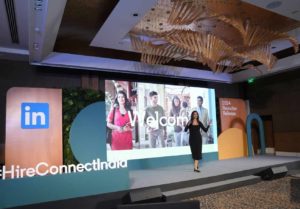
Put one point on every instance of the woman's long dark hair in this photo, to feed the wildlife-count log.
(176, 109)
(193, 118)
(127, 102)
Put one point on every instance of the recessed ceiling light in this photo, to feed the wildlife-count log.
(274, 4)
(37, 29)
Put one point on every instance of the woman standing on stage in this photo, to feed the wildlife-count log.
(195, 139)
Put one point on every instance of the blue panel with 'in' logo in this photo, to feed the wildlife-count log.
(34, 115)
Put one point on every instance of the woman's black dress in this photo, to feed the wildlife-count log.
(195, 139)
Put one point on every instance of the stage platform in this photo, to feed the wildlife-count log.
(178, 182)
(181, 182)
(175, 174)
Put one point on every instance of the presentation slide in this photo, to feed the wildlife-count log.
(147, 120)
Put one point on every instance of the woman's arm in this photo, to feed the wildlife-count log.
(204, 128)
(187, 126)
(111, 119)
(114, 127)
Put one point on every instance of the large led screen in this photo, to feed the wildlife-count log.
(146, 120)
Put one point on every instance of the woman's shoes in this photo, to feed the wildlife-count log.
(196, 170)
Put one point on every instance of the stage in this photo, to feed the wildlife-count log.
(181, 182)
(181, 173)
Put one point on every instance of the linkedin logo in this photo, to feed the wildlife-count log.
(34, 115)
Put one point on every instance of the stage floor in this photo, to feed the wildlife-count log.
(182, 173)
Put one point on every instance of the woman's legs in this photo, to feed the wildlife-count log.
(196, 164)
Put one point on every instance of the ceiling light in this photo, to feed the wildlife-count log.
(37, 29)
(232, 33)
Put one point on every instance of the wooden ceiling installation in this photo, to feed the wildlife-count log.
(221, 34)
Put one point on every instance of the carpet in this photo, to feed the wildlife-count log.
(283, 193)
